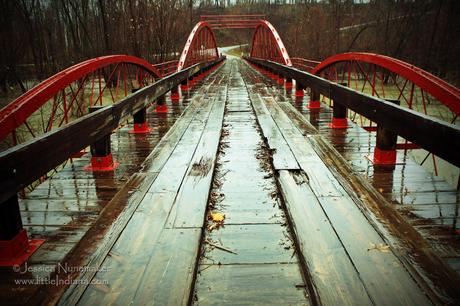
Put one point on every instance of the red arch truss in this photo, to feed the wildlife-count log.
(17, 112)
(444, 92)
(201, 46)
(267, 44)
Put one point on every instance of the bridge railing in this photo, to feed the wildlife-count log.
(167, 68)
(304, 64)
(27, 162)
(436, 136)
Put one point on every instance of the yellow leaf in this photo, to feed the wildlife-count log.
(217, 217)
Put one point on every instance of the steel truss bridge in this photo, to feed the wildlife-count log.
(215, 180)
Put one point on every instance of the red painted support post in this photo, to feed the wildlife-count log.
(339, 115)
(15, 246)
(314, 100)
(184, 85)
(280, 80)
(175, 96)
(191, 82)
(299, 88)
(161, 105)
(140, 121)
(101, 152)
(385, 149)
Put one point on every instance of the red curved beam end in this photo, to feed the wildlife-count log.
(261, 42)
(201, 45)
(16, 113)
(444, 92)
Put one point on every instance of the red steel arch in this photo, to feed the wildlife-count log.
(200, 46)
(267, 44)
(16, 113)
(444, 92)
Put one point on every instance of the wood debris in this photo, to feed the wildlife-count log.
(220, 247)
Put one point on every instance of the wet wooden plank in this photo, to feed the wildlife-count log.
(97, 242)
(174, 170)
(51, 252)
(298, 119)
(57, 233)
(262, 284)
(59, 218)
(50, 205)
(282, 155)
(251, 244)
(431, 211)
(379, 269)
(335, 278)
(353, 145)
(147, 223)
(129, 255)
(168, 277)
(396, 226)
(158, 157)
(192, 197)
(320, 178)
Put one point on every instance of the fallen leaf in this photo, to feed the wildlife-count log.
(217, 217)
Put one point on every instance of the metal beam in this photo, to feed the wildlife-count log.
(432, 134)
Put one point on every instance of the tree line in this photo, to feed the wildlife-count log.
(41, 37)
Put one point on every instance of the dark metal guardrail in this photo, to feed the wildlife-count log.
(436, 136)
(23, 164)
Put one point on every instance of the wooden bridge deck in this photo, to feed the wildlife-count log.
(302, 225)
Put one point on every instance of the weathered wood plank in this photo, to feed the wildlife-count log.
(320, 178)
(130, 254)
(136, 244)
(168, 277)
(262, 284)
(98, 240)
(336, 280)
(173, 172)
(158, 157)
(192, 198)
(251, 244)
(380, 270)
(282, 156)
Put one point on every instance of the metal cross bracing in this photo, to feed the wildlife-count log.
(88, 101)
(218, 22)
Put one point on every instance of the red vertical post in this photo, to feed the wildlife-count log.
(339, 115)
(161, 105)
(299, 88)
(175, 95)
(314, 102)
(184, 85)
(15, 246)
(280, 79)
(385, 149)
(140, 121)
(101, 152)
